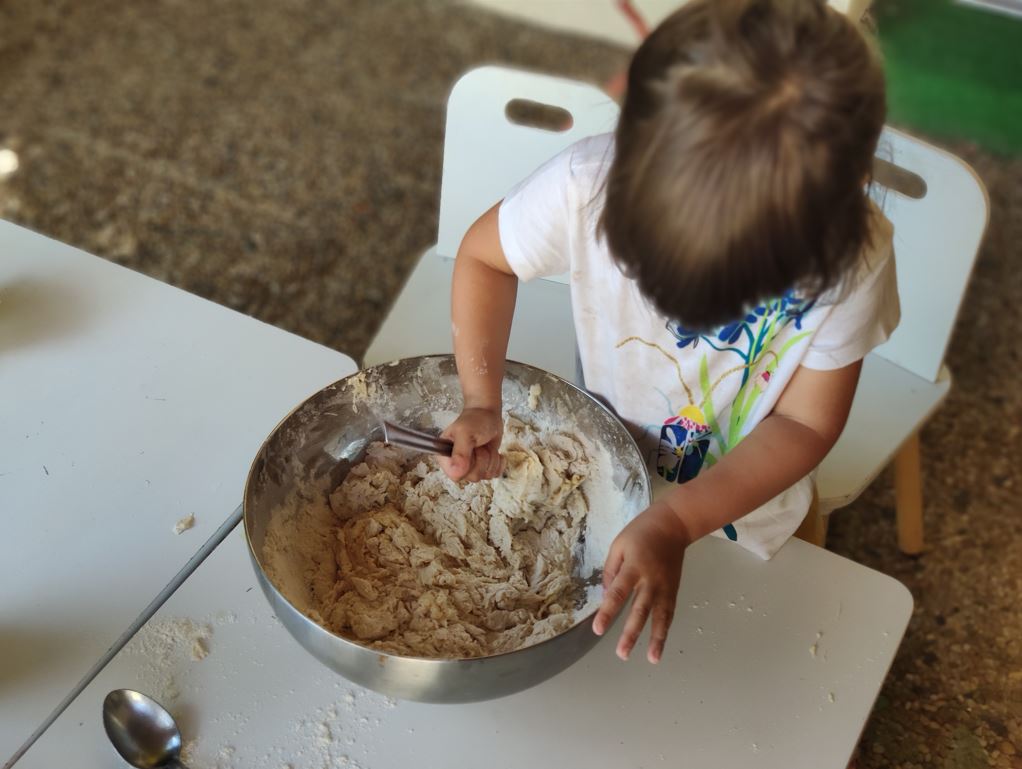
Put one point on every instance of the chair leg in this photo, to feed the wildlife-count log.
(908, 491)
(814, 527)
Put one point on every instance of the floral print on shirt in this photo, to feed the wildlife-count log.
(692, 437)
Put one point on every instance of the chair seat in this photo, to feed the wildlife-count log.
(890, 405)
(419, 323)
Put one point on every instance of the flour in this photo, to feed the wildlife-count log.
(406, 561)
(167, 645)
(225, 757)
(338, 734)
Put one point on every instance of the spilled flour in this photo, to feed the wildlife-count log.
(165, 644)
(343, 732)
(406, 561)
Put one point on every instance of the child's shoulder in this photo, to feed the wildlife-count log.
(590, 158)
(878, 253)
(583, 167)
(882, 228)
(874, 268)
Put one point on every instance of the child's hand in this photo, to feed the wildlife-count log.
(476, 435)
(645, 558)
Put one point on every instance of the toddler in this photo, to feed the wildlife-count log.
(728, 273)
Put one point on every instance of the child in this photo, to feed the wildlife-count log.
(728, 274)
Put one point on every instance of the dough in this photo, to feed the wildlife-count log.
(420, 565)
(184, 524)
(534, 392)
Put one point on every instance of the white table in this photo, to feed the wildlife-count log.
(739, 685)
(125, 404)
(118, 380)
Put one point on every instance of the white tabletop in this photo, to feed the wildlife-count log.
(747, 681)
(125, 404)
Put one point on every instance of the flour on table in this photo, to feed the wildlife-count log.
(185, 523)
(406, 561)
(166, 644)
(164, 638)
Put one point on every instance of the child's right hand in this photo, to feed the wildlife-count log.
(476, 435)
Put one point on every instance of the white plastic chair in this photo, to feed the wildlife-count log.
(936, 238)
(485, 155)
(903, 382)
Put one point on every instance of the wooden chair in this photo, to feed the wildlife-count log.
(498, 131)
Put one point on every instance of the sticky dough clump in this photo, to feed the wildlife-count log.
(420, 565)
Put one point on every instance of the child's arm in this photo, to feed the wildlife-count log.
(482, 304)
(646, 557)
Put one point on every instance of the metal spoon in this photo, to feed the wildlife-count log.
(143, 732)
(416, 440)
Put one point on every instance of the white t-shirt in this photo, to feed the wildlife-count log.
(688, 398)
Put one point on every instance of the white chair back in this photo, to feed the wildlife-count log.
(936, 239)
(487, 150)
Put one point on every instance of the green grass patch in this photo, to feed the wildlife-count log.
(953, 71)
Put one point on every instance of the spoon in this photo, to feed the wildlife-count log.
(143, 732)
(416, 440)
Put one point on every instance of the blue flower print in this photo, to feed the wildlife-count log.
(797, 313)
(732, 332)
(793, 307)
(685, 336)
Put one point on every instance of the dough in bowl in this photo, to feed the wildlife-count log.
(409, 562)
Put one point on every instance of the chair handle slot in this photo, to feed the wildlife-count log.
(534, 114)
(899, 179)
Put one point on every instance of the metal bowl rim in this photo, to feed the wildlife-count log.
(347, 641)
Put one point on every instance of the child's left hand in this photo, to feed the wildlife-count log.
(645, 558)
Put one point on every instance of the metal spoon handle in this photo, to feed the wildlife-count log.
(416, 440)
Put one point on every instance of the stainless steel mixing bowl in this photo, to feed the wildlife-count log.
(322, 438)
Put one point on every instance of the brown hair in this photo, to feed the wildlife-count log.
(746, 135)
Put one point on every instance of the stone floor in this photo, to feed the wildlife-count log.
(283, 159)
